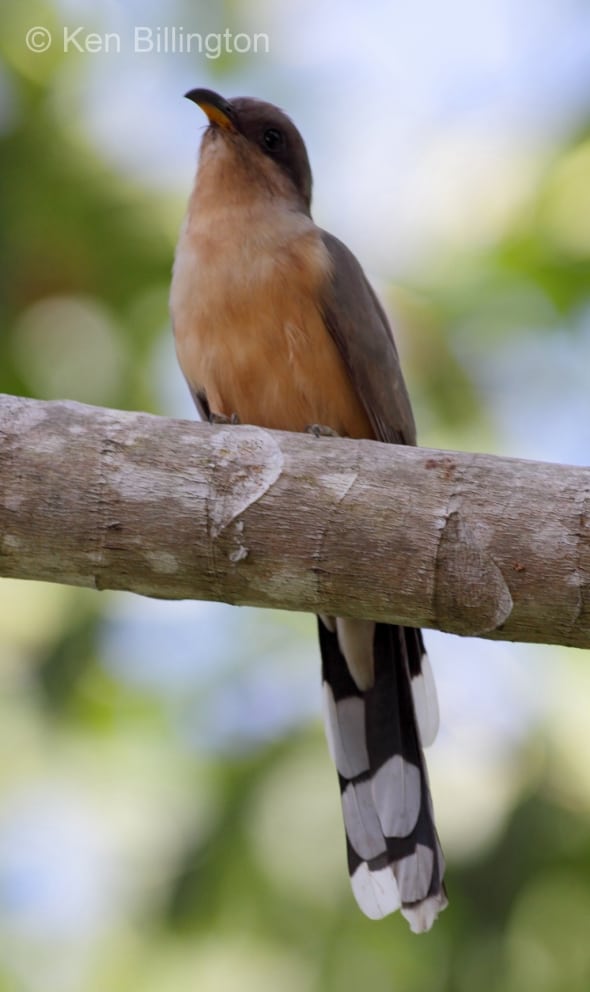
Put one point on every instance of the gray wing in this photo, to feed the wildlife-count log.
(357, 322)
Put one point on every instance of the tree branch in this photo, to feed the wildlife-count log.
(472, 544)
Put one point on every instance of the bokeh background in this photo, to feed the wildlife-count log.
(168, 815)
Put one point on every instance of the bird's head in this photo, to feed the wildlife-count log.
(252, 145)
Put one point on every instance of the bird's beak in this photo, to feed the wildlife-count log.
(218, 110)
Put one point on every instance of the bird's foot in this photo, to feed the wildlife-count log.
(320, 430)
(220, 418)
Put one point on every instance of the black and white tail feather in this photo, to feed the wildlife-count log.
(380, 710)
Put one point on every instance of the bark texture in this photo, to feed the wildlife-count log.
(473, 544)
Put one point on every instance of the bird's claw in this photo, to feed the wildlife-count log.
(320, 430)
(220, 418)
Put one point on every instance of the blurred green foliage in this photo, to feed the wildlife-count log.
(227, 863)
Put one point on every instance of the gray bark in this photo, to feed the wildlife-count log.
(473, 544)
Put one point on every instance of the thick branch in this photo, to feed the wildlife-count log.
(467, 543)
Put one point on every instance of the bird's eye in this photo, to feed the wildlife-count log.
(273, 139)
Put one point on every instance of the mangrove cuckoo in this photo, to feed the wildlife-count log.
(276, 325)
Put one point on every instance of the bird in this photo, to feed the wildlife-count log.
(276, 325)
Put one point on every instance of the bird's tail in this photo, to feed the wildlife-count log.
(380, 709)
